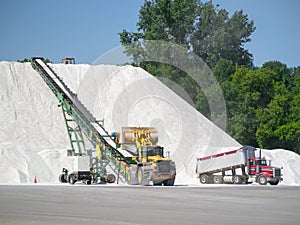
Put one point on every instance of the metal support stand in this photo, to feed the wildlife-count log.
(74, 133)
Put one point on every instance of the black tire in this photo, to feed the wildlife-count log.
(103, 179)
(111, 178)
(238, 179)
(143, 178)
(132, 177)
(72, 179)
(62, 179)
(262, 180)
(89, 182)
(218, 179)
(274, 182)
(204, 178)
(169, 182)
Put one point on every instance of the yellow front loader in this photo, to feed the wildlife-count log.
(151, 165)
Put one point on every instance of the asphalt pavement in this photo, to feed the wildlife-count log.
(124, 205)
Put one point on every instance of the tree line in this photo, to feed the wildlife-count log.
(262, 103)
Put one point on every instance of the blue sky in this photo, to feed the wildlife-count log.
(88, 29)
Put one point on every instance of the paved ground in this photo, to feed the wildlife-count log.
(122, 205)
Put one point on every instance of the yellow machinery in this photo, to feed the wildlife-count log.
(68, 60)
(150, 163)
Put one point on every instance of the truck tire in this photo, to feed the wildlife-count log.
(204, 178)
(218, 179)
(274, 182)
(262, 180)
(238, 179)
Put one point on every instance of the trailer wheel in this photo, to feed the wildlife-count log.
(262, 180)
(218, 179)
(204, 178)
(111, 178)
(62, 178)
(72, 179)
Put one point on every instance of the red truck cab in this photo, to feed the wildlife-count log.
(263, 172)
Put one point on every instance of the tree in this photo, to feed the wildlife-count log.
(250, 91)
(217, 36)
(201, 27)
(280, 120)
(29, 60)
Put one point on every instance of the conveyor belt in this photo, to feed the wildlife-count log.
(87, 122)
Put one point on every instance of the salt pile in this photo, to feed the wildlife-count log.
(33, 138)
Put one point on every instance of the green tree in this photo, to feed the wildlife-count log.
(280, 120)
(200, 27)
(29, 60)
(217, 36)
(250, 91)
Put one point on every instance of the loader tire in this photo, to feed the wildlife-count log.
(169, 182)
(132, 177)
(143, 177)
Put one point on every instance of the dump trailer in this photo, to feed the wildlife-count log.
(150, 164)
(237, 166)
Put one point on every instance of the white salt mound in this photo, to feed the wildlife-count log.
(33, 137)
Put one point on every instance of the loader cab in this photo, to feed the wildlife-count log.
(151, 151)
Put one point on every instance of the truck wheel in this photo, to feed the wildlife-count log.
(217, 179)
(204, 179)
(72, 179)
(169, 182)
(262, 180)
(62, 178)
(274, 182)
(237, 179)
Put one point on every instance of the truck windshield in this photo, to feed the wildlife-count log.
(262, 162)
